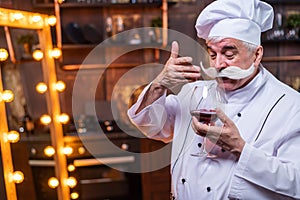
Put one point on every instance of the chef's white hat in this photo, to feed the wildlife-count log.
(239, 19)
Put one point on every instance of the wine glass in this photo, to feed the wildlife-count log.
(204, 101)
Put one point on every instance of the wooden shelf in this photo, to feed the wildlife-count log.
(281, 58)
(98, 5)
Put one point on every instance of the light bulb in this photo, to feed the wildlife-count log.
(41, 87)
(55, 53)
(45, 119)
(67, 150)
(37, 54)
(18, 177)
(63, 118)
(71, 168)
(71, 182)
(52, 20)
(3, 54)
(74, 195)
(7, 96)
(36, 18)
(60, 86)
(17, 16)
(13, 136)
(81, 150)
(53, 182)
(49, 151)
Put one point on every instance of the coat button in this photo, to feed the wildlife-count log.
(208, 189)
(199, 145)
(239, 114)
(183, 180)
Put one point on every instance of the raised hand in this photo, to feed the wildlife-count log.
(177, 71)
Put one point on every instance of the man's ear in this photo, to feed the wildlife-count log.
(258, 55)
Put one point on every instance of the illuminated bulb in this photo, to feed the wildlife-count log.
(18, 177)
(37, 54)
(71, 168)
(74, 195)
(71, 182)
(36, 18)
(18, 16)
(45, 119)
(41, 87)
(53, 182)
(60, 1)
(55, 53)
(7, 96)
(63, 118)
(60, 86)
(3, 54)
(81, 150)
(49, 151)
(13, 136)
(67, 150)
(52, 20)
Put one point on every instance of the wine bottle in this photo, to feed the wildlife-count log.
(27, 122)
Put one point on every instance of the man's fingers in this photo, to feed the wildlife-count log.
(223, 117)
(174, 50)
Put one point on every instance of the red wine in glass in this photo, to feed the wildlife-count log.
(205, 116)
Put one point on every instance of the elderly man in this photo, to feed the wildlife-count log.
(256, 145)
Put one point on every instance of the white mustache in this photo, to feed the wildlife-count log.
(231, 72)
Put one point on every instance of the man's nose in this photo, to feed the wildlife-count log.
(220, 63)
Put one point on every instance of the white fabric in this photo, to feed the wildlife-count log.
(239, 19)
(268, 168)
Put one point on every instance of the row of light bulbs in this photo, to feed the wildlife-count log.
(11, 136)
(36, 20)
(67, 150)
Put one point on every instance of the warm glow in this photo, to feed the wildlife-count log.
(67, 150)
(18, 177)
(49, 151)
(36, 18)
(55, 53)
(3, 54)
(13, 136)
(64, 118)
(53, 182)
(60, 1)
(41, 87)
(17, 16)
(81, 150)
(52, 20)
(7, 96)
(74, 195)
(37, 54)
(60, 86)
(71, 182)
(71, 168)
(45, 119)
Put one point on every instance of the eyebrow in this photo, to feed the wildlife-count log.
(225, 48)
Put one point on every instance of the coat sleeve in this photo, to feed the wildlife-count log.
(156, 121)
(264, 176)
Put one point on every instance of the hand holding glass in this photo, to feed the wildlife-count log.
(203, 104)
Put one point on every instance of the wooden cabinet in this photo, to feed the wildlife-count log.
(157, 183)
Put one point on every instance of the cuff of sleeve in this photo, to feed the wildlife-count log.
(237, 184)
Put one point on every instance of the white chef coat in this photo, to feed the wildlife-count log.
(267, 114)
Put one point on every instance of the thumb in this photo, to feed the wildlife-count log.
(174, 50)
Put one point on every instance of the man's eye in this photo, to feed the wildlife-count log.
(229, 55)
(212, 56)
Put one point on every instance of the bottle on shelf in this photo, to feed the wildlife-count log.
(27, 126)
